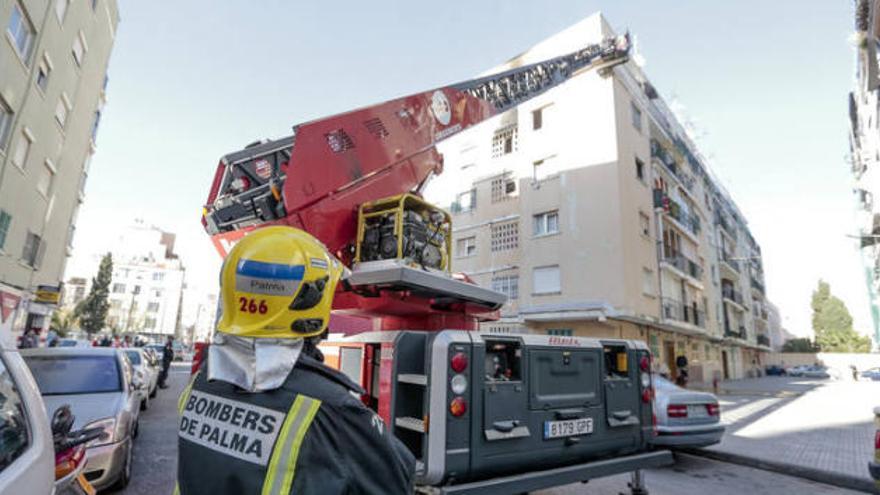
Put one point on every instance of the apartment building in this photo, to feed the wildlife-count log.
(53, 65)
(147, 286)
(592, 209)
(864, 114)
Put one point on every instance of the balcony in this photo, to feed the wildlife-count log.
(664, 157)
(672, 208)
(763, 340)
(728, 261)
(732, 295)
(678, 311)
(683, 264)
(725, 223)
(735, 332)
(757, 285)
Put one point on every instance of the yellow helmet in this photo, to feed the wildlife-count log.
(277, 282)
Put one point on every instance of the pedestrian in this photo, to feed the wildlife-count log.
(29, 340)
(855, 372)
(126, 341)
(315, 435)
(681, 378)
(167, 358)
(52, 339)
(105, 341)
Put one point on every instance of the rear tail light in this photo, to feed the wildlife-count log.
(677, 411)
(458, 384)
(644, 363)
(68, 461)
(458, 406)
(877, 439)
(647, 395)
(713, 409)
(459, 362)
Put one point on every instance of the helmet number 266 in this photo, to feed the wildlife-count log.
(252, 306)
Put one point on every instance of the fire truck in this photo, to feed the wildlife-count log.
(481, 413)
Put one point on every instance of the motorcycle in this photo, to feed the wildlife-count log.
(70, 454)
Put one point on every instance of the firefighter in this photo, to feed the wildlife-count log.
(263, 414)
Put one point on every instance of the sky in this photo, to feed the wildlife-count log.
(765, 84)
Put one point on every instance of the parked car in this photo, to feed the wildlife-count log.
(73, 343)
(100, 386)
(774, 370)
(27, 456)
(872, 374)
(816, 372)
(685, 418)
(874, 465)
(147, 374)
(797, 370)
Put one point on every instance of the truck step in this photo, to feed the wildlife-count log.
(413, 379)
(410, 423)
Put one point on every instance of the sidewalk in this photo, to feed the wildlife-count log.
(818, 429)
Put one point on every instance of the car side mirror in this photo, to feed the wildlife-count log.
(62, 421)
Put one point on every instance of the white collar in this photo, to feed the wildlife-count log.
(253, 364)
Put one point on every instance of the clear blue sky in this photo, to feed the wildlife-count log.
(766, 83)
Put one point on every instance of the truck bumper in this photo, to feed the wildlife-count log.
(538, 480)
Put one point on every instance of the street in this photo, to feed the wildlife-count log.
(752, 403)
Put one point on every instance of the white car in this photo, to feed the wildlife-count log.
(685, 418)
(147, 374)
(27, 455)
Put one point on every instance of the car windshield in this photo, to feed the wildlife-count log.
(67, 343)
(61, 375)
(134, 357)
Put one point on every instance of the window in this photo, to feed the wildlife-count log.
(466, 247)
(136, 290)
(43, 72)
(615, 361)
(62, 109)
(465, 201)
(503, 361)
(636, 116)
(504, 141)
(537, 119)
(75, 374)
(507, 285)
(79, 49)
(560, 332)
(22, 149)
(645, 224)
(5, 124)
(22, 32)
(5, 220)
(158, 276)
(61, 9)
(647, 282)
(33, 250)
(47, 176)
(505, 236)
(157, 293)
(152, 307)
(13, 420)
(118, 288)
(149, 323)
(503, 187)
(545, 223)
(546, 280)
(640, 170)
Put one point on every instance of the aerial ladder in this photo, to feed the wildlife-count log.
(354, 181)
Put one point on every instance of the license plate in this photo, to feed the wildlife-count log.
(568, 428)
(697, 411)
(85, 485)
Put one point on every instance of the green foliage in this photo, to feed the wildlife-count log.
(64, 321)
(799, 345)
(833, 325)
(92, 312)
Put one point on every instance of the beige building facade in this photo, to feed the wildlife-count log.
(53, 65)
(592, 209)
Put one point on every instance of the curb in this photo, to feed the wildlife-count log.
(818, 475)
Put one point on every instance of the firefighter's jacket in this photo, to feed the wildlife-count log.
(310, 436)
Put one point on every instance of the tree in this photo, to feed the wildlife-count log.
(63, 321)
(833, 325)
(92, 312)
(799, 345)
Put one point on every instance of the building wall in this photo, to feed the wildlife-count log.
(621, 254)
(42, 194)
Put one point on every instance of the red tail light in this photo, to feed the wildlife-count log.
(877, 439)
(677, 411)
(713, 409)
(647, 395)
(459, 362)
(644, 363)
(68, 461)
(458, 406)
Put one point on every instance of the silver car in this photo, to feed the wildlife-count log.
(99, 385)
(146, 373)
(685, 418)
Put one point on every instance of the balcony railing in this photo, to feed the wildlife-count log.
(676, 310)
(763, 340)
(757, 285)
(674, 210)
(683, 263)
(727, 258)
(737, 332)
(664, 157)
(722, 220)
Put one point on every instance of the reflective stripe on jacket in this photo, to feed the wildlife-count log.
(312, 435)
